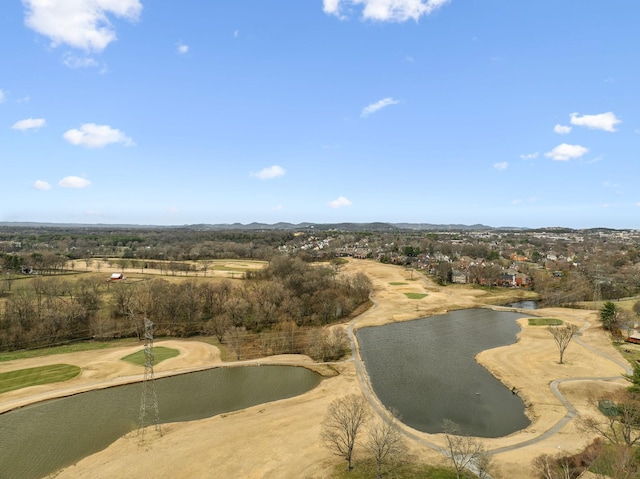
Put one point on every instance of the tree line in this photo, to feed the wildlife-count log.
(276, 308)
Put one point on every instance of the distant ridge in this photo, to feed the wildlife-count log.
(375, 226)
(307, 226)
(281, 226)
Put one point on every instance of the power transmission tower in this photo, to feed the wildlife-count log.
(597, 293)
(148, 387)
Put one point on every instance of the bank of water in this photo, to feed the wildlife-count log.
(525, 304)
(42, 438)
(426, 370)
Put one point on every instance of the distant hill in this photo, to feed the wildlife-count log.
(376, 227)
(373, 227)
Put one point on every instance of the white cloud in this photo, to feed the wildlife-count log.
(374, 107)
(2, 96)
(75, 62)
(603, 121)
(384, 10)
(530, 156)
(562, 129)
(96, 136)
(182, 48)
(29, 124)
(331, 7)
(236, 33)
(41, 185)
(74, 182)
(269, 173)
(501, 166)
(79, 23)
(566, 152)
(339, 203)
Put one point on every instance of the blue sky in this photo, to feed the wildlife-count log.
(501, 112)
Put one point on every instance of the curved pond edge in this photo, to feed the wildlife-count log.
(421, 438)
(324, 370)
(428, 369)
(78, 424)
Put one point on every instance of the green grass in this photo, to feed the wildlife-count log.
(367, 470)
(64, 349)
(22, 378)
(545, 322)
(160, 353)
(415, 295)
(397, 283)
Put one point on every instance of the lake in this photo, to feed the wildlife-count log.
(426, 370)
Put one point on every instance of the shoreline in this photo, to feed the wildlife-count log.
(290, 428)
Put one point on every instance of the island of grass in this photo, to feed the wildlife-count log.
(545, 322)
(22, 378)
(160, 353)
(415, 295)
(398, 283)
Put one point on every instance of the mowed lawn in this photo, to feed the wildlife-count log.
(160, 353)
(545, 322)
(415, 295)
(22, 378)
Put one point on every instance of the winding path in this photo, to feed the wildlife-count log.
(554, 386)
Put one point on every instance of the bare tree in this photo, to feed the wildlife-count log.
(220, 324)
(465, 452)
(342, 423)
(562, 335)
(620, 424)
(385, 442)
(235, 339)
(553, 467)
(615, 462)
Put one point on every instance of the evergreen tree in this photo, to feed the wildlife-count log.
(608, 315)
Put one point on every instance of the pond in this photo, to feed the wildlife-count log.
(42, 438)
(426, 370)
(524, 304)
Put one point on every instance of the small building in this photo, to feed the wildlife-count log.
(634, 338)
(459, 277)
(116, 276)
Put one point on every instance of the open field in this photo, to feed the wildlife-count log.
(222, 268)
(282, 439)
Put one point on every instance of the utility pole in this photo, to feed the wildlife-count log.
(148, 387)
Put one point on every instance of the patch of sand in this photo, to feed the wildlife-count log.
(282, 439)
